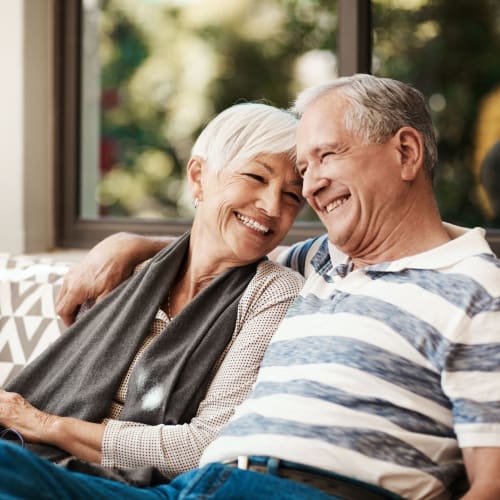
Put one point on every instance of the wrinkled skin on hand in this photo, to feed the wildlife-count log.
(105, 266)
(91, 279)
(19, 414)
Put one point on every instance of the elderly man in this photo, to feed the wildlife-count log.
(382, 381)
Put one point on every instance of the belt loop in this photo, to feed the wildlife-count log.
(243, 462)
(273, 465)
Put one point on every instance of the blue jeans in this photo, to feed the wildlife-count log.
(25, 475)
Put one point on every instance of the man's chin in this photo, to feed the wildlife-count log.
(340, 239)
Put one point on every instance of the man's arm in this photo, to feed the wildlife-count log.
(105, 266)
(483, 470)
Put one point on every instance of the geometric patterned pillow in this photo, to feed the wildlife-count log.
(28, 320)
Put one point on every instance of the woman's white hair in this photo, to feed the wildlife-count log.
(379, 108)
(244, 131)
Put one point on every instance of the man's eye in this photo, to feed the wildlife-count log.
(325, 156)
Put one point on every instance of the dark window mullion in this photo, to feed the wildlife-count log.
(354, 37)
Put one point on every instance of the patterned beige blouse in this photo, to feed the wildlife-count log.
(174, 449)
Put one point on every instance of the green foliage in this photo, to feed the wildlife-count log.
(168, 67)
(248, 54)
(449, 49)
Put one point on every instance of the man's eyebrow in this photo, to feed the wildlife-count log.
(326, 145)
(321, 147)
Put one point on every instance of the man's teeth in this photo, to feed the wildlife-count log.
(334, 204)
(253, 224)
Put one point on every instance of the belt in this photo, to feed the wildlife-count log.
(325, 481)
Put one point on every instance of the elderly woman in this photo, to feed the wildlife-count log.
(148, 376)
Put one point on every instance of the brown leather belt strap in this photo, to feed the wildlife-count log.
(325, 481)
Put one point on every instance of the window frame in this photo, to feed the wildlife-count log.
(354, 37)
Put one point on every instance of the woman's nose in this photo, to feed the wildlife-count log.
(270, 202)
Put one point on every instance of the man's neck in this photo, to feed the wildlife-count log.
(422, 233)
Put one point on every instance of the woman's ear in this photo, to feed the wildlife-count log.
(410, 147)
(194, 175)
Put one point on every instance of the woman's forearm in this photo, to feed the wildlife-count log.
(77, 437)
(81, 439)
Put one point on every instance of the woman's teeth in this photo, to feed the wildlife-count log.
(253, 224)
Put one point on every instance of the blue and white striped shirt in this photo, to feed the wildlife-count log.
(381, 373)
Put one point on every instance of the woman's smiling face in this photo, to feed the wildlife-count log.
(247, 209)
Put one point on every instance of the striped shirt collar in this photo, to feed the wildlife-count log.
(464, 243)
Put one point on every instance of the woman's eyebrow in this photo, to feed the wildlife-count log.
(270, 169)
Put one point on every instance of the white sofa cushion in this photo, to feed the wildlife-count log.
(28, 320)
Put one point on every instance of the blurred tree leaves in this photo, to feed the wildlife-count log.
(167, 67)
(450, 51)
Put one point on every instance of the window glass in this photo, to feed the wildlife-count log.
(450, 51)
(155, 71)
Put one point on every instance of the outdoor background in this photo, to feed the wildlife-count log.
(155, 71)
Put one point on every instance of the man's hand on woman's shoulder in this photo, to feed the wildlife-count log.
(106, 265)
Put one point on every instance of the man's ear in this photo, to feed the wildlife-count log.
(194, 175)
(410, 146)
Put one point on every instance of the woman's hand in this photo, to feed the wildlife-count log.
(106, 265)
(19, 414)
(77, 437)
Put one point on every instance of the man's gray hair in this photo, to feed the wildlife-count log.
(379, 108)
(244, 131)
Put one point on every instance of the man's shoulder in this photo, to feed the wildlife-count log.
(483, 269)
(470, 252)
(304, 256)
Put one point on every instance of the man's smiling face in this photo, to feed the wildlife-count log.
(351, 185)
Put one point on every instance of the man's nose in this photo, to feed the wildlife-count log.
(314, 180)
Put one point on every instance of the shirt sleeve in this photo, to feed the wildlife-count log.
(176, 449)
(299, 256)
(471, 383)
(470, 377)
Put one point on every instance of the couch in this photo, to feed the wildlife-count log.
(28, 320)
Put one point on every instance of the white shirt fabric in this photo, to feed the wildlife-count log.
(381, 373)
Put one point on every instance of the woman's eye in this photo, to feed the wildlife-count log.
(256, 177)
(295, 197)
